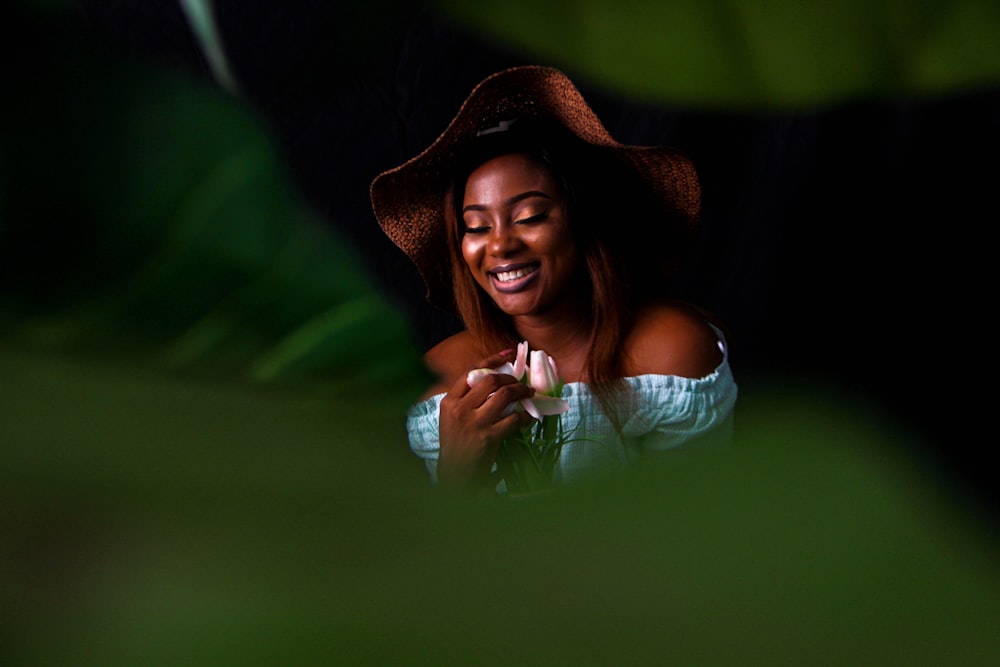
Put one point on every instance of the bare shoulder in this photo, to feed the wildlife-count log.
(672, 338)
(449, 359)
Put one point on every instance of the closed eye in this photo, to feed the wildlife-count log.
(482, 229)
(534, 218)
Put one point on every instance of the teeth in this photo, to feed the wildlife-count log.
(507, 276)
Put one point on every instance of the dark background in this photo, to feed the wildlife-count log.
(846, 245)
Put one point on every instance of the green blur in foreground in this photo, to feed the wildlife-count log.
(148, 218)
(756, 53)
(156, 520)
(202, 456)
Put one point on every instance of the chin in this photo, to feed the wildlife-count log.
(513, 309)
(521, 309)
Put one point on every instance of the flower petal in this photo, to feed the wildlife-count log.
(555, 372)
(546, 405)
(521, 361)
(475, 376)
(512, 408)
(529, 406)
(506, 369)
(542, 373)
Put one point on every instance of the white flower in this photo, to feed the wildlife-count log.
(541, 375)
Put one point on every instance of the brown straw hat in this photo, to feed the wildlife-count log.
(408, 200)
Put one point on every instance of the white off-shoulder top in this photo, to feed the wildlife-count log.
(661, 412)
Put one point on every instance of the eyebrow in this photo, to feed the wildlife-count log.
(510, 201)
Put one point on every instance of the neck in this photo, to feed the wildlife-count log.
(565, 336)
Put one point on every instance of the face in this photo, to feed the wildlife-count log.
(516, 241)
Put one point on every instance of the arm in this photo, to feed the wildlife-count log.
(472, 421)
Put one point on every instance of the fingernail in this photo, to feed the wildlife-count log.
(506, 352)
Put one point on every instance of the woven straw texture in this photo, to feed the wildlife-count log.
(408, 200)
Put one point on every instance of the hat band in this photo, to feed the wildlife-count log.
(502, 127)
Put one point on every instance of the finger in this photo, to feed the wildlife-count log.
(461, 385)
(509, 425)
(495, 404)
(471, 401)
(499, 389)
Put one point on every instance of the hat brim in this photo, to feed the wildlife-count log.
(408, 200)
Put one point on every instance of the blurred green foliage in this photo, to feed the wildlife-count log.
(160, 521)
(202, 458)
(147, 216)
(753, 53)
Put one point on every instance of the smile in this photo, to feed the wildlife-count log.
(513, 279)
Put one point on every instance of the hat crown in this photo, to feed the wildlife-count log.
(408, 199)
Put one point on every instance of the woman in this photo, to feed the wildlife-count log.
(528, 220)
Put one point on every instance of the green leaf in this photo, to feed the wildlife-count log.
(167, 232)
(724, 53)
(156, 517)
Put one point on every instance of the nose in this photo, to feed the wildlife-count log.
(503, 240)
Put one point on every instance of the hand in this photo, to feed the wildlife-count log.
(474, 422)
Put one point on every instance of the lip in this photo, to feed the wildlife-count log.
(517, 284)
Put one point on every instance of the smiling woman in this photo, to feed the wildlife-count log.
(515, 236)
(528, 220)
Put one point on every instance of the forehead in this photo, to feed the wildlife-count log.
(509, 175)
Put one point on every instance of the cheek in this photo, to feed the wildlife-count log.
(559, 246)
(471, 250)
